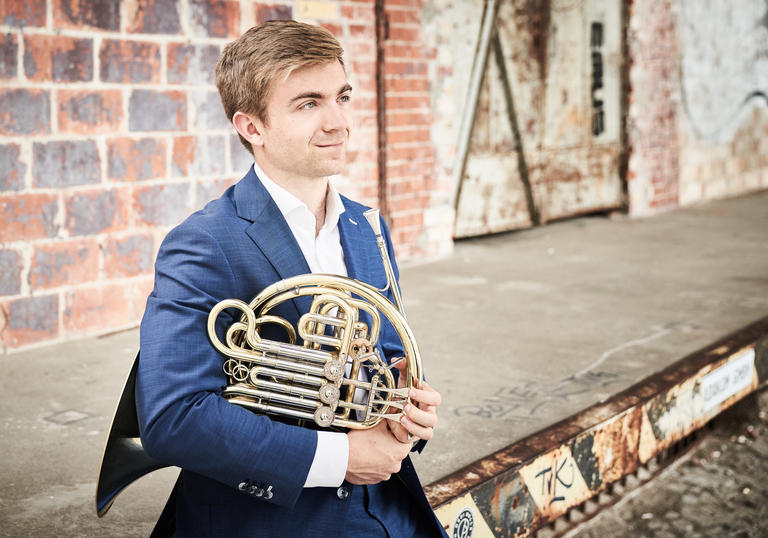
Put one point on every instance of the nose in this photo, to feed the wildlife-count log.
(336, 118)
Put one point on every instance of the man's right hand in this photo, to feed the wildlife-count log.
(374, 455)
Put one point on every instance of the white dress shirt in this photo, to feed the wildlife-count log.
(324, 254)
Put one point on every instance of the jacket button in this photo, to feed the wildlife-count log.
(243, 486)
(342, 493)
(268, 494)
(256, 491)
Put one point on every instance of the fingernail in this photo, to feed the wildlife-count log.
(403, 420)
(408, 408)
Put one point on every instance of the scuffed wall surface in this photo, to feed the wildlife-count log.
(697, 122)
(552, 88)
(724, 79)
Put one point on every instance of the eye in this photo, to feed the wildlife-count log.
(308, 105)
(345, 98)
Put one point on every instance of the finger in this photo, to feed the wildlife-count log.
(398, 431)
(423, 396)
(400, 364)
(416, 430)
(421, 416)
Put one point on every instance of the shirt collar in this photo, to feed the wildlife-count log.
(287, 203)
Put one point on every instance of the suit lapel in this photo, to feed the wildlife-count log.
(355, 242)
(269, 231)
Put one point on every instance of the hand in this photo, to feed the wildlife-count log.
(374, 455)
(420, 416)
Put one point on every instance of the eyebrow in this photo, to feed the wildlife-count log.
(318, 95)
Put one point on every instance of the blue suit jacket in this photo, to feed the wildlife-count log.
(233, 248)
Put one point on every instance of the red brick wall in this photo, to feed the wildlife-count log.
(654, 105)
(111, 132)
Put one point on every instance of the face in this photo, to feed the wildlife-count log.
(307, 125)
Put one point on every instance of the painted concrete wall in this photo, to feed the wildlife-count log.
(697, 124)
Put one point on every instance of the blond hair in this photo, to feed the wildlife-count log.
(249, 66)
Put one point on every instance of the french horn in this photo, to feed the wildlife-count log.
(315, 382)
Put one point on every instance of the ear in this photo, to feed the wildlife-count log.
(249, 128)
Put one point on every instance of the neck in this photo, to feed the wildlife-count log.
(310, 190)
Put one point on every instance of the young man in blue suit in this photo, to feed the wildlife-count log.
(284, 87)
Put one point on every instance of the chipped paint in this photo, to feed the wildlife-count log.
(519, 489)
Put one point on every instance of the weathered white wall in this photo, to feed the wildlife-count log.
(724, 86)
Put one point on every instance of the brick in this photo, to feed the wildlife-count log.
(58, 58)
(153, 17)
(129, 256)
(209, 113)
(192, 64)
(10, 272)
(94, 309)
(9, 48)
(64, 263)
(28, 216)
(317, 9)
(30, 320)
(205, 191)
(407, 102)
(198, 156)
(90, 112)
(93, 14)
(240, 157)
(405, 68)
(125, 61)
(150, 110)
(273, 12)
(14, 169)
(407, 136)
(399, 16)
(162, 205)
(93, 212)
(24, 112)
(214, 18)
(135, 160)
(65, 163)
(420, 85)
(404, 33)
(23, 13)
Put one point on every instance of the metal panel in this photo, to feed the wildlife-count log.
(551, 87)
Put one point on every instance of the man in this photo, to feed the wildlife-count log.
(284, 87)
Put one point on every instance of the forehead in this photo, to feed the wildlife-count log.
(326, 79)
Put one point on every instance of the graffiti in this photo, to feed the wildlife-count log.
(550, 479)
(724, 74)
(596, 45)
(523, 400)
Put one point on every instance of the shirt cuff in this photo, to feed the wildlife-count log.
(329, 467)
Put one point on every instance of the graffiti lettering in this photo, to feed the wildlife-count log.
(550, 481)
(596, 44)
(523, 400)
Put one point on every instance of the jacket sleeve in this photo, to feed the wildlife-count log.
(183, 418)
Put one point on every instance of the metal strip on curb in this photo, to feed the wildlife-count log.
(532, 482)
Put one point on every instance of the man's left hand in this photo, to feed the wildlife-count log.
(420, 416)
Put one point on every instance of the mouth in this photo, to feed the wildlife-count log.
(331, 145)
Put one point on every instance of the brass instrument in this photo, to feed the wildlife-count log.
(305, 382)
(308, 382)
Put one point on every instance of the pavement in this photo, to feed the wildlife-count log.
(518, 331)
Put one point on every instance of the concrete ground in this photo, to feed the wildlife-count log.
(517, 331)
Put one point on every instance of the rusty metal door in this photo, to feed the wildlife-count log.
(541, 136)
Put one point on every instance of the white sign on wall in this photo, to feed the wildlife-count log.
(719, 385)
